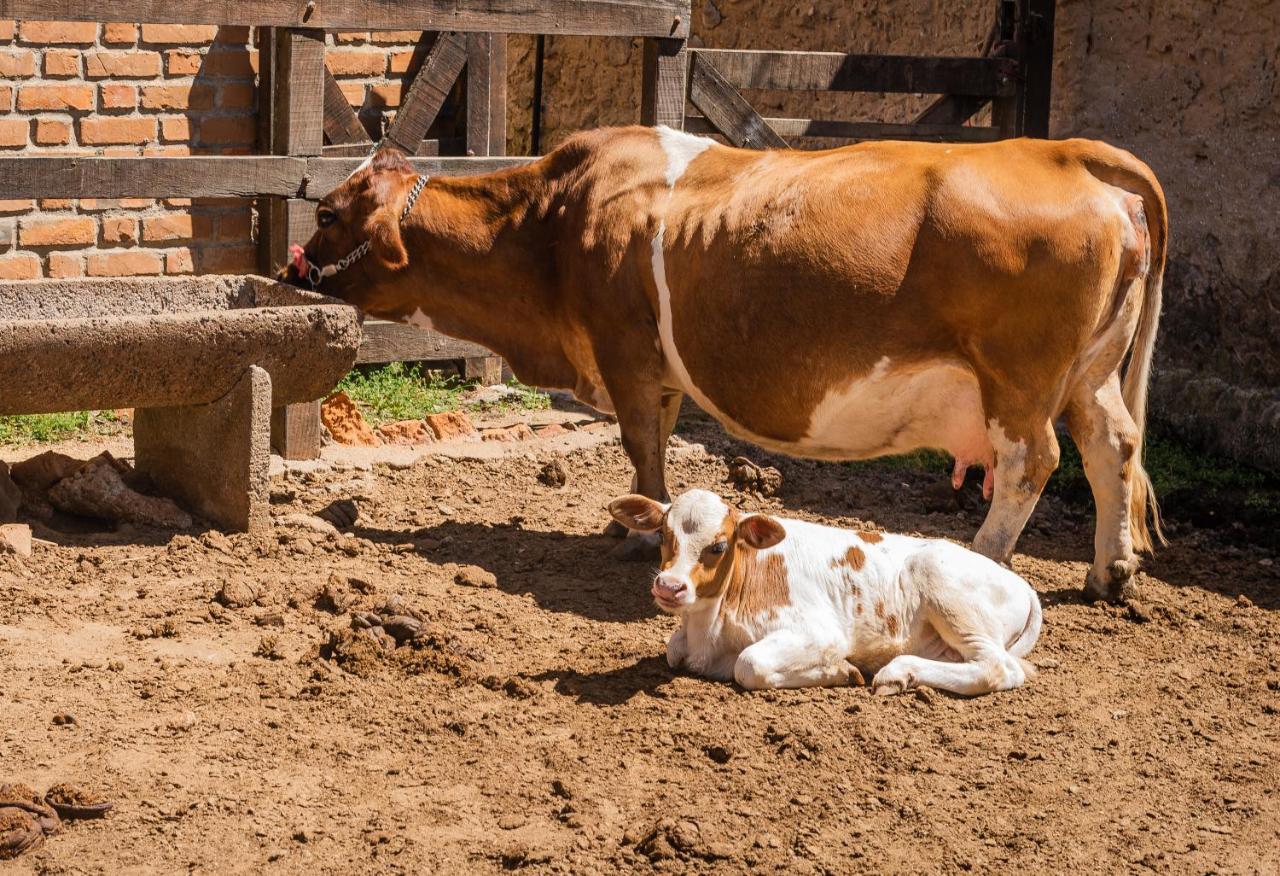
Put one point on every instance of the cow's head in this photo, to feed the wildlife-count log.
(366, 208)
(701, 540)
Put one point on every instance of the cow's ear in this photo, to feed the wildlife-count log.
(385, 240)
(760, 531)
(639, 513)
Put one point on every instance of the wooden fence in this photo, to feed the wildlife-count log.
(311, 139)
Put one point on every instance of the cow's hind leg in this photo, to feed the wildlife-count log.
(1107, 437)
(991, 668)
(1026, 454)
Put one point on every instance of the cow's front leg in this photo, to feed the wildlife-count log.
(787, 659)
(677, 648)
(1025, 457)
(639, 408)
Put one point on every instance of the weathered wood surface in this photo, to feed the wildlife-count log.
(393, 342)
(486, 94)
(1036, 24)
(837, 71)
(861, 130)
(435, 79)
(341, 124)
(295, 430)
(485, 370)
(326, 174)
(727, 110)
(231, 176)
(664, 82)
(299, 92)
(588, 17)
(951, 109)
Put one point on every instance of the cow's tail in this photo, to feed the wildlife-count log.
(1118, 168)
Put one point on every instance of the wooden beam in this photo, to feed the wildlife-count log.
(727, 110)
(231, 176)
(664, 84)
(393, 342)
(295, 430)
(299, 92)
(861, 130)
(837, 71)
(323, 175)
(341, 124)
(951, 109)
(435, 79)
(486, 94)
(663, 18)
(1037, 64)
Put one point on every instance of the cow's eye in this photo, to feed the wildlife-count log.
(719, 547)
(325, 217)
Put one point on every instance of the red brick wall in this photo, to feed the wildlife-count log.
(72, 88)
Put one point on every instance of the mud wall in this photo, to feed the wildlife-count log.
(1188, 86)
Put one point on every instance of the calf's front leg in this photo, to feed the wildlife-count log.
(787, 659)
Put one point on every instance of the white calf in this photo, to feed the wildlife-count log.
(772, 602)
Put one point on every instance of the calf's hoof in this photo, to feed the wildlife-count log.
(615, 530)
(1115, 583)
(638, 548)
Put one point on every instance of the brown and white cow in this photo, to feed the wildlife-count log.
(841, 304)
(771, 602)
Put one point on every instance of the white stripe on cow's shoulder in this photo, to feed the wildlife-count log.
(681, 149)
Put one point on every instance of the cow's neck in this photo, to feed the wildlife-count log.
(481, 269)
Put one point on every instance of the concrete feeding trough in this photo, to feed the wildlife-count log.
(202, 360)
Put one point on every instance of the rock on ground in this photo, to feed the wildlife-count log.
(345, 422)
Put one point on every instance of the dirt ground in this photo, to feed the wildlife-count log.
(220, 700)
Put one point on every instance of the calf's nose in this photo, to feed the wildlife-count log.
(668, 587)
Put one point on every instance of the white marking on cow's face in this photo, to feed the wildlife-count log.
(891, 410)
(420, 320)
(681, 149)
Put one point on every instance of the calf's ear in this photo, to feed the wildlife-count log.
(638, 512)
(760, 531)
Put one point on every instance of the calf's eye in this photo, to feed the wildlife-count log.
(325, 218)
(719, 547)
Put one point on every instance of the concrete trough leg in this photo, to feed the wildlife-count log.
(213, 458)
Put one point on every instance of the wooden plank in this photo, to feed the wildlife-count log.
(229, 176)
(664, 83)
(724, 108)
(1037, 64)
(348, 150)
(485, 370)
(326, 174)
(951, 109)
(341, 124)
(837, 71)
(295, 430)
(393, 342)
(861, 130)
(587, 17)
(427, 94)
(486, 94)
(299, 92)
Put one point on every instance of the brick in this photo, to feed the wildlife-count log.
(185, 34)
(125, 264)
(21, 205)
(228, 130)
(119, 229)
(6, 30)
(106, 131)
(238, 96)
(176, 226)
(234, 227)
(65, 264)
(6, 98)
(55, 203)
(401, 61)
(17, 63)
(115, 96)
(55, 97)
(121, 65)
(178, 261)
(61, 63)
(58, 32)
(73, 231)
(119, 151)
(177, 97)
(352, 62)
(115, 203)
(396, 36)
(350, 36)
(354, 92)
(232, 34)
(116, 33)
(53, 132)
(20, 266)
(175, 128)
(176, 202)
(385, 95)
(227, 259)
(182, 62)
(230, 64)
(13, 132)
(171, 150)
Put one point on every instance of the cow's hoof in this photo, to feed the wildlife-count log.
(1117, 583)
(615, 530)
(638, 548)
(19, 832)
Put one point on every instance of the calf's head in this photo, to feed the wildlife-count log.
(365, 208)
(702, 538)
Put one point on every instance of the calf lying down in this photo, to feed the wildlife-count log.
(771, 602)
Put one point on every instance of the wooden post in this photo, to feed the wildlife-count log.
(1037, 65)
(292, 91)
(486, 94)
(663, 88)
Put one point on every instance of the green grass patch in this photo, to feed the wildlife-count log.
(48, 428)
(402, 391)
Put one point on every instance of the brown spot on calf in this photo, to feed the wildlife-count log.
(756, 585)
(870, 536)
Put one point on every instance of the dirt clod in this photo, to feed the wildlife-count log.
(237, 593)
(745, 475)
(345, 422)
(474, 576)
(554, 473)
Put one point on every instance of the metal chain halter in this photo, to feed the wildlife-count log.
(316, 274)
